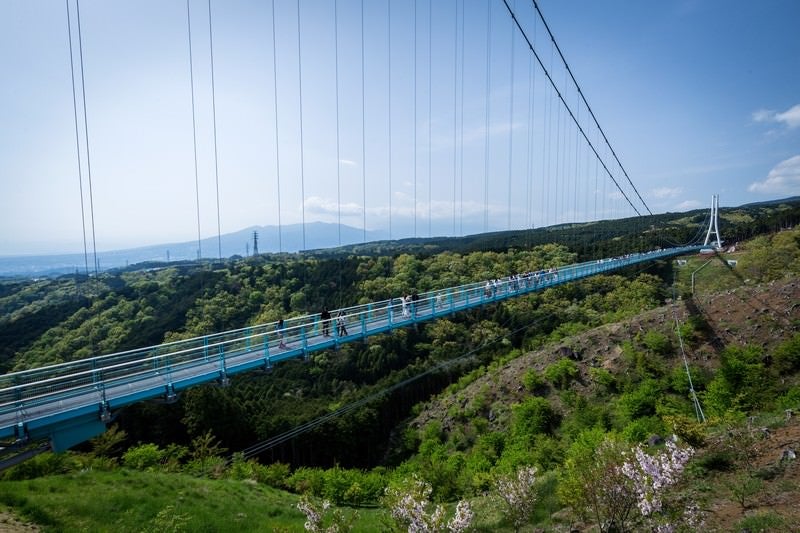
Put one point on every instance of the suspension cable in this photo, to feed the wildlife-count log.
(567, 107)
(488, 116)
(588, 107)
(363, 132)
(277, 137)
(511, 126)
(461, 144)
(214, 118)
(414, 122)
(430, 114)
(338, 153)
(194, 128)
(455, 102)
(389, 106)
(77, 139)
(302, 152)
(86, 133)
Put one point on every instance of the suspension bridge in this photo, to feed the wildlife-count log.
(557, 167)
(72, 402)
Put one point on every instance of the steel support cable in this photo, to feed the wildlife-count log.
(277, 137)
(567, 107)
(214, 122)
(701, 417)
(488, 116)
(529, 160)
(86, 133)
(694, 239)
(560, 164)
(414, 122)
(461, 145)
(430, 111)
(455, 103)
(302, 151)
(577, 168)
(588, 107)
(77, 138)
(546, 154)
(531, 135)
(194, 128)
(363, 132)
(511, 126)
(338, 153)
(389, 106)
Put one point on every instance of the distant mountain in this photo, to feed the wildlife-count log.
(318, 235)
(321, 236)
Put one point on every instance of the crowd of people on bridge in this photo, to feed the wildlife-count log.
(516, 282)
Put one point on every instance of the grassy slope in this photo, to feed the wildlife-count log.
(127, 500)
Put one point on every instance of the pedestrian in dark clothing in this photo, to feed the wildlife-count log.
(280, 328)
(326, 322)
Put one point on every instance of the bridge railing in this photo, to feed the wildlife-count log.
(103, 373)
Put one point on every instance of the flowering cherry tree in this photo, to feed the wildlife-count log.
(518, 495)
(651, 476)
(318, 516)
(623, 489)
(410, 508)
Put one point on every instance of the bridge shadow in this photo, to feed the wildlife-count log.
(751, 300)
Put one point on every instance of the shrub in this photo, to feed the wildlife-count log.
(762, 521)
(561, 373)
(641, 429)
(534, 416)
(604, 379)
(307, 480)
(275, 475)
(44, 464)
(532, 380)
(686, 428)
(790, 399)
(657, 343)
(143, 457)
(787, 355)
(641, 401)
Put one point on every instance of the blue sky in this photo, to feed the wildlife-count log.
(696, 97)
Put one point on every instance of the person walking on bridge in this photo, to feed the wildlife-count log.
(325, 316)
(280, 327)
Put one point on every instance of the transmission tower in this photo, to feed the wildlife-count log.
(255, 242)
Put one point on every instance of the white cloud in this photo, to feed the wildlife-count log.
(763, 115)
(790, 118)
(667, 192)
(326, 206)
(687, 205)
(784, 178)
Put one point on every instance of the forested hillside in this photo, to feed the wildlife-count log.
(539, 381)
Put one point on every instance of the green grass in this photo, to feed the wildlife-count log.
(130, 501)
(124, 500)
(714, 277)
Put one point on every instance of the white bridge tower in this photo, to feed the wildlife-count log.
(713, 224)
